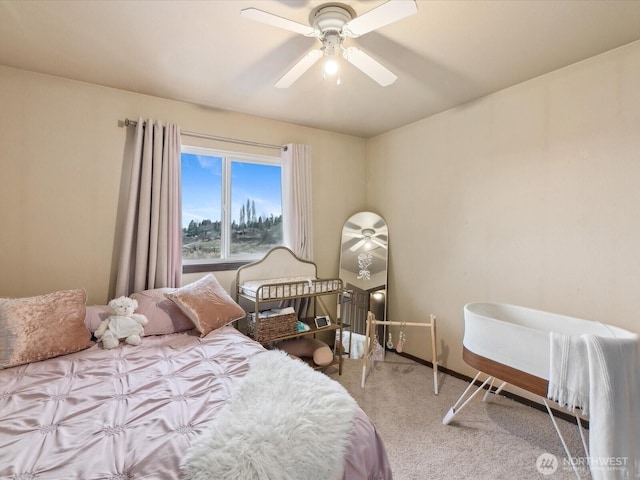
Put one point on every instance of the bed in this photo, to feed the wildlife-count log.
(157, 409)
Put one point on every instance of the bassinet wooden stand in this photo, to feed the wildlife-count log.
(495, 372)
(370, 335)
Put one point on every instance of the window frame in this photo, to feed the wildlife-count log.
(225, 262)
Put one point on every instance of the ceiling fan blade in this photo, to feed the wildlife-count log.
(352, 234)
(383, 15)
(348, 244)
(368, 65)
(276, 21)
(358, 245)
(299, 68)
(379, 224)
(353, 226)
(379, 255)
(382, 237)
(378, 242)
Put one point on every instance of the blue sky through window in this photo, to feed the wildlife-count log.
(259, 183)
(201, 188)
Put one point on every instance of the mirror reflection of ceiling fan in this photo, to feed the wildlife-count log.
(369, 237)
(332, 24)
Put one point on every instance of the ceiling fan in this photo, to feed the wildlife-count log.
(332, 23)
(367, 235)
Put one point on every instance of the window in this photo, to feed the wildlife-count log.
(231, 207)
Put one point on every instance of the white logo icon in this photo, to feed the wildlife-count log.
(547, 463)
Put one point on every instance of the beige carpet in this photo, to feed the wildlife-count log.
(486, 440)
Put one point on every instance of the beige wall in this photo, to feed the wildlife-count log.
(61, 158)
(528, 196)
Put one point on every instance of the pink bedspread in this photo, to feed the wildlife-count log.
(132, 412)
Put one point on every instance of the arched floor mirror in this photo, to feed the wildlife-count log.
(364, 255)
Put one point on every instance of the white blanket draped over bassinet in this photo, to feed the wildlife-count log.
(569, 372)
(601, 376)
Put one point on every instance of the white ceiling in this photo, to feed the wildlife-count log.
(202, 52)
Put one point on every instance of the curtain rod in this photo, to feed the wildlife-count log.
(133, 123)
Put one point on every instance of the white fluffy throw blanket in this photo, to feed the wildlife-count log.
(284, 422)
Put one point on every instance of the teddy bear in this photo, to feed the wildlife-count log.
(123, 324)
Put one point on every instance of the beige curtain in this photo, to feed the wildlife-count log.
(297, 215)
(151, 244)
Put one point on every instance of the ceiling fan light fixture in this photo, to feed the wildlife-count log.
(331, 66)
(332, 48)
(368, 234)
(331, 71)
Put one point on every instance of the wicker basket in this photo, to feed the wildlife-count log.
(268, 328)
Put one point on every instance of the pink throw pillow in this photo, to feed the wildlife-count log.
(46, 326)
(207, 304)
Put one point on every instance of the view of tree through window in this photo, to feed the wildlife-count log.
(231, 205)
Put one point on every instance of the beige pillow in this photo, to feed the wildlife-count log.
(37, 328)
(206, 304)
